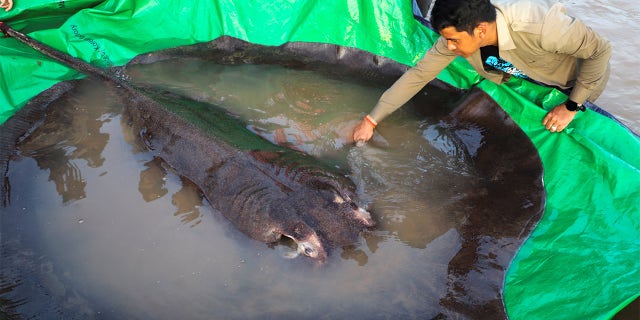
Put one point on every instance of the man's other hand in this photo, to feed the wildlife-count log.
(6, 4)
(558, 118)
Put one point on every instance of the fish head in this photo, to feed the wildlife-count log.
(320, 213)
(332, 219)
(307, 241)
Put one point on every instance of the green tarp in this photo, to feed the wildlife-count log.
(583, 259)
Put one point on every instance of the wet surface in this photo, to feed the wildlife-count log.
(97, 227)
(621, 95)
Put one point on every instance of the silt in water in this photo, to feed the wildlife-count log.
(99, 228)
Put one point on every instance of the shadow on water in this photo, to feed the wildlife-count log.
(97, 227)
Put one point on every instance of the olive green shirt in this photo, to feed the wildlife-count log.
(538, 38)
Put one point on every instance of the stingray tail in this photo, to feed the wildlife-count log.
(57, 55)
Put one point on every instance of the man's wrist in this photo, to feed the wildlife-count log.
(371, 121)
(574, 106)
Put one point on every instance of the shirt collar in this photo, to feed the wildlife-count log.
(505, 42)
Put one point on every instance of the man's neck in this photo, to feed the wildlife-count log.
(491, 36)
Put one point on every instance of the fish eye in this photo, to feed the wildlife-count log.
(308, 250)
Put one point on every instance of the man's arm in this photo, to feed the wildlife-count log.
(412, 81)
(568, 35)
(565, 34)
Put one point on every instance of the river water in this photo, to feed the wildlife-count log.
(101, 229)
(619, 22)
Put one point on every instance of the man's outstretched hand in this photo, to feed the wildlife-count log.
(363, 131)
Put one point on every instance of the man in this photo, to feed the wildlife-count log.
(525, 38)
(6, 4)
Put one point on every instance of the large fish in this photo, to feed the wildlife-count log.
(265, 190)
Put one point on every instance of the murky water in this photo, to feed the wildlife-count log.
(98, 228)
(417, 165)
(619, 22)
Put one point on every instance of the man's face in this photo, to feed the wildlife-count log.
(461, 43)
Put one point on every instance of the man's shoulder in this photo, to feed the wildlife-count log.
(524, 3)
(524, 11)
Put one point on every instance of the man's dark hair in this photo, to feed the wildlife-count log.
(464, 15)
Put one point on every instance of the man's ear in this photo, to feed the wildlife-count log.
(481, 30)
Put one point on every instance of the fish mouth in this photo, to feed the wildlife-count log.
(312, 250)
(289, 248)
(309, 246)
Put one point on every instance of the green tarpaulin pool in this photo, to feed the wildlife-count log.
(583, 259)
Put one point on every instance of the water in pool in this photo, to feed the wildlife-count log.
(96, 227)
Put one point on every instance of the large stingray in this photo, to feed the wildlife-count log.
(267, 191)
(500, 214)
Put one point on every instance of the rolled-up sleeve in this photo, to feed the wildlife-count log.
(413, 80)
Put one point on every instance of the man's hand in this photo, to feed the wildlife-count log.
(558, 118)
(6, 4)
(363, 131)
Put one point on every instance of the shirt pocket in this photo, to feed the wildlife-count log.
(542, 60)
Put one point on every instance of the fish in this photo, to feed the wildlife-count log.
(267, 191)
